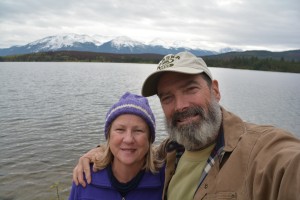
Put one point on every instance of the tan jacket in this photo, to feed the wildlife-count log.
(260, 163)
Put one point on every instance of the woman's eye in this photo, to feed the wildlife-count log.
(138, 131)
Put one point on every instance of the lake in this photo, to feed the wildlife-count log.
(51, 113)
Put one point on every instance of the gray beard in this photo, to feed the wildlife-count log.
(199, 134)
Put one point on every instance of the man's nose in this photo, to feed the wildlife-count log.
(181, 104)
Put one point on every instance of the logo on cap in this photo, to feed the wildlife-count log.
(167, 62)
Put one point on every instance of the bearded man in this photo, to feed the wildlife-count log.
(212, 153)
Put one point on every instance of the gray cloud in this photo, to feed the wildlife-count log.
(246, 24)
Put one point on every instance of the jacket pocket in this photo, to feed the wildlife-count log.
(220, 196)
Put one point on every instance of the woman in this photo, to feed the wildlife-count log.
(128, 168)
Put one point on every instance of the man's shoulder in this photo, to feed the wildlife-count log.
(236, 128)
(267, 131)
(271, 140)
(251, 135)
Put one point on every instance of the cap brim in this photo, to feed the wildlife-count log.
(149, 87)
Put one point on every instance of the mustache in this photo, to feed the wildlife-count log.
(189, 112)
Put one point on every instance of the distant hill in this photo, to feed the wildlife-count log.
(287, 61)
(293, 55)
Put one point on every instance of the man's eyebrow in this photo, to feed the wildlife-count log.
(185, 84)
(160, 95)
(190, 82)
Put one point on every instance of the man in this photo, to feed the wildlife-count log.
(212, 153)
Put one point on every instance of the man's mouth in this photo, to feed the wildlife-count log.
(188, 116)
(187, 120)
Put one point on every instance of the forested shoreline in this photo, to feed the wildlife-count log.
(255, 61)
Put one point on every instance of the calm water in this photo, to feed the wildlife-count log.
(51, 113)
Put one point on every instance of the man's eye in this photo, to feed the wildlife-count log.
(166, 99)
(192, 89)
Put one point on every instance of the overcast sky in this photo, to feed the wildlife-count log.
(246, 24)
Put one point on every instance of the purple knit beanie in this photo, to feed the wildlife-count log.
(131, 104)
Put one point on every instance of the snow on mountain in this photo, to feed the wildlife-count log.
(187, 44)
(161, 42)
(106, 44)
(101, 39)
(124, 41)
(172, 44)
(229, 49)
(60, 41)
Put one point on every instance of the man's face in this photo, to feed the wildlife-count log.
(193, 115)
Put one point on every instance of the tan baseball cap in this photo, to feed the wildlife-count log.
(183, 62)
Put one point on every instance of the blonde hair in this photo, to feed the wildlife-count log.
(105, 157)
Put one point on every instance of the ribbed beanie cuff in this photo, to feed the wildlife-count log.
(131, 104)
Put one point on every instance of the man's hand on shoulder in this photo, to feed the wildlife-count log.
(83, 167)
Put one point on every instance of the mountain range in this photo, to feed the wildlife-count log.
(106, 44)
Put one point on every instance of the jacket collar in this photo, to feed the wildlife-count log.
(101, 178)
(233, 129)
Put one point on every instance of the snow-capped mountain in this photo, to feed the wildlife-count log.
(164, 43)
(63, 41)
(103, 38)
(124, 41)
(104, 44)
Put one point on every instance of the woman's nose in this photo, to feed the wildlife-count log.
(128, 137)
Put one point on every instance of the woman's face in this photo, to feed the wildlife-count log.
(129, 140)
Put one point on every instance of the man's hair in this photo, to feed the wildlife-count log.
(207, 79)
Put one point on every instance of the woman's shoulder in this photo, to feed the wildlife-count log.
(100, 177)
(153, 179)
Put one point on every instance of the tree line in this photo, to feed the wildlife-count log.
(254, 63)
(235, 62)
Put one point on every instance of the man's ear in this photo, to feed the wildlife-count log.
(215, 90)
